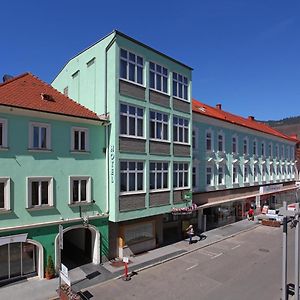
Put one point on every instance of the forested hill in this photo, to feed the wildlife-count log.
(289, 126)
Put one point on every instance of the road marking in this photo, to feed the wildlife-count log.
(192, 267)
(208, 253)
(235, 247)
(217, 255)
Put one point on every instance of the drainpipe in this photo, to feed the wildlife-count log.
(106, 133)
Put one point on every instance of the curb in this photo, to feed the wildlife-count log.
(176, 256)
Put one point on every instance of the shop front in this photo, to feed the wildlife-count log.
(19, 258)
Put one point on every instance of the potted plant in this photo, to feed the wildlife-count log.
(50, 270)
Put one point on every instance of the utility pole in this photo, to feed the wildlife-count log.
(297, 252)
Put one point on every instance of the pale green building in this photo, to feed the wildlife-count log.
(146, 95)
(51, 162)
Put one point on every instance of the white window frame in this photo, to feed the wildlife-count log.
(255, 173)
(179, 127)
(39, 179)
(129, 172)
(180, 86)
(86, 144)
(3, 144)
(211, 139)
(88, 189)
(181, 172)
(136, 118)
(6, 181)
(136, 65)
(211, 173)
(245, 143)
(160, 172)
(255, 152)
(221, 171)
(221, 141)
(161, 76)
(235, 174)
(246, 173)
(163, 123)
(31, 136)
(234, 144)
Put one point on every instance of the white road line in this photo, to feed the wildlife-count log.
(208, 253)
(235, 247)
(191, 267)
(216, 256)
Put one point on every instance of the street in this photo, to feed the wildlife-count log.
(247, 266)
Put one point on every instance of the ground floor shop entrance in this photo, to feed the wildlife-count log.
(17, 260)
(77, 248)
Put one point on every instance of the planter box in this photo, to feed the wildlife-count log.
(271, 223)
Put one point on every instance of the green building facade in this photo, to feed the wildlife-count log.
(146, 95)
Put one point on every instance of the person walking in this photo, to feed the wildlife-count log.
(190, 232)
(251, 214)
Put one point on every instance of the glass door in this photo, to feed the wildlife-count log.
(4, 267)
(15, 255)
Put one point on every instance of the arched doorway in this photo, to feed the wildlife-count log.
(81, 245)
(20, 260)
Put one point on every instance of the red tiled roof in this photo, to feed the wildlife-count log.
(26, 91)
(218, 113)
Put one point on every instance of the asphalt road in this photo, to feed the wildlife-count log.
(247, 266)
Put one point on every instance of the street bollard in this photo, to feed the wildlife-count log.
(126, 276)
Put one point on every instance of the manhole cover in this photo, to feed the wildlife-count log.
(263, 250)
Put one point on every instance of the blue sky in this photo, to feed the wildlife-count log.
(245, 54)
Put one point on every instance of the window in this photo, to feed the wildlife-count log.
(40, 191)
(131, 66)
(180, 175)
(80, 189)
(194, 138)
(131, 120)
(254, 147)
(4, 193)
(159, 175)
(245, 146)
(235, 173)
(277, 151)
(246, 173)
(292, 153)
(270, 149)
(39, 136)
(221, 175)
(234, 145)
(263, 149)
(180, 130)
(288, 152)
(79, 139)
(3, 133)
(158, 78)
(209, 176)
(159, 126)
(132, 176)
(220, 142)
(194, 177)
(209, 141)
(255, 173)
(180, 86)
(282, 151)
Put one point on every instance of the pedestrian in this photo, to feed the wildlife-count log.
(190, 232)
(251, 214)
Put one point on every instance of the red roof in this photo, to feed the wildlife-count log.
(218, 113)
(29, 92)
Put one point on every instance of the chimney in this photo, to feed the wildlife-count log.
(219, 106)
(251, 118)
(7, 77)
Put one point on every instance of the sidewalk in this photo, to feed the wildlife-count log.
(89, 275)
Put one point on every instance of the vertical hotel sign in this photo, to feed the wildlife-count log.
(113, 163)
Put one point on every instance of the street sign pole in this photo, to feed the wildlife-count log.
(60, 247)
(284, 256)
(297, 253)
